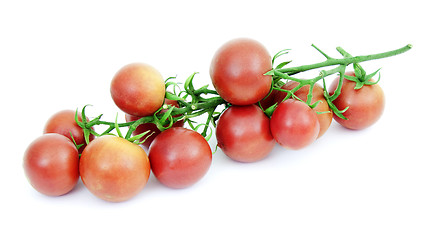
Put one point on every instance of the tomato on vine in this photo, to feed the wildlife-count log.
(237, 71)
(51, 164)
(325, 115)
(138, 89)
(365, 105)
(243, 133)
(294, 124)
(114, 169)
(247, 86)
(180, 157)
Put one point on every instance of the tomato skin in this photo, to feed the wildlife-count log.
(237, 71)
(294, 124)
(366, 104)
(114, 169)
(180, 157)
(243, 133)
(138, 89)
(63, 122)
(51, 164)
(325, 119)
(152, 128)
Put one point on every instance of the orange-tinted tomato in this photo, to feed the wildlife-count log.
(138, 89)
(114, 169)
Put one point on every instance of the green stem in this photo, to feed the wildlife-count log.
(344, 61)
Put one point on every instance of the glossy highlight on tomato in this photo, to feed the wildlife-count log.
(114, 169)
(138, 89)
(51, 164)
(237, 71)
(180, 157)
(243, 133)
(294, 124)
(365, 105)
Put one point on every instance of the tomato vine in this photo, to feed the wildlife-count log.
(194, 102)
(361, 78)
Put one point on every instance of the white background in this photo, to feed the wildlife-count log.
(370, 184)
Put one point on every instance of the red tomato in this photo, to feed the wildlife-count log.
(294, 124)
(138, 89)
(365, 104)
(63, 123)
(325, 119)
(51, 164)
(114, 169)
(179, 157)
(243, 133)
(237, 71)
(152, 128)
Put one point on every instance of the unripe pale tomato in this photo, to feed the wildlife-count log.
(114, 169)
(180, 157)
(237, 71)
(366, 104)
(294, 124)
(138, 89)
(243, 133)
(51, 164)
(325, 119)
(63, 123)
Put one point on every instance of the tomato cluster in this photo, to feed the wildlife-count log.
(259, 111)
(246, 134)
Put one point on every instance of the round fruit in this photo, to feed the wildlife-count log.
(243, 133)
(138, 89)
(51, 164)
(237, 71)
(294, 124)
(180, 157)
(326, 116)
(365, 105)
(114, 169)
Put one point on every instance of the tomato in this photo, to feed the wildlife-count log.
(237, 71)
(179, 157)
(51, 164)
(138, 89)
(294, 124)
(63, 123)
(366, 104)
(243, 133)
(114, 169)
(152, 128)
(325, 119)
